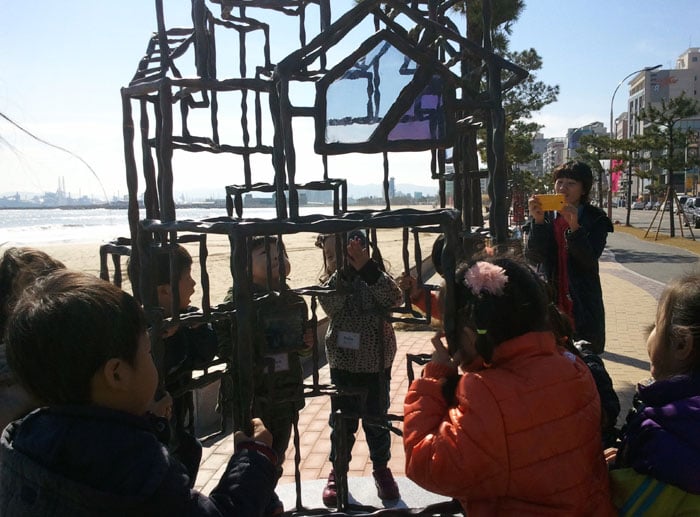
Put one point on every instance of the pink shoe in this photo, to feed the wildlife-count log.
(386, 486)
(330, 494)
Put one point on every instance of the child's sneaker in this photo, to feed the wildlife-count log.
(330, 494)
(386, 486)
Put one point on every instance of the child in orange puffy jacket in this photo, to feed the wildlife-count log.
(520, 435)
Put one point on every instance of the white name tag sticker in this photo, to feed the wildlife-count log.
(350, 340)
(281, 362)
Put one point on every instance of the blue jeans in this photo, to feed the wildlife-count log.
(376, 404)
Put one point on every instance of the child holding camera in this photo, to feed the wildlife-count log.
(360, 347)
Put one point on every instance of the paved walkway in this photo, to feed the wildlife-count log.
(630, 302)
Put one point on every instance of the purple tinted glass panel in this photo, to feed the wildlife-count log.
(425, 119)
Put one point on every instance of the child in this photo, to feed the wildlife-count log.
(657, 466)
(610, 403)
(281, 337)
(521, 436)
(80, 344)
(186, 348)
(360, 347)
(19, 267)
(419, 297)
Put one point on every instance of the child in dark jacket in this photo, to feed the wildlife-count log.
(655, 470)
(80, 345)
(281, 336)
(609, 401)
(186, 348)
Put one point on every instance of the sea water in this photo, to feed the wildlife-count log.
(25, 227)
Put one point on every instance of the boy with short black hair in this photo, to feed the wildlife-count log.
(186, 348)
(80, 345)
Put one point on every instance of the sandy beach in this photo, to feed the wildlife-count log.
(306, 259)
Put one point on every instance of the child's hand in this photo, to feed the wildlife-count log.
(610, 456)
(358, 256)
(163, 407)
(409, 284)
(441, 354)
(259, 434)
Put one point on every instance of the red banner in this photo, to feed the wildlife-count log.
(617, 167)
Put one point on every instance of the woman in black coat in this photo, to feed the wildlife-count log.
(566, 246)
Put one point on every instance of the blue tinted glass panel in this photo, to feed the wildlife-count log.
(358, 100)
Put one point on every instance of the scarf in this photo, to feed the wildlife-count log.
(564, 301)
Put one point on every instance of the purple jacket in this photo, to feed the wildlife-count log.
(662, 437)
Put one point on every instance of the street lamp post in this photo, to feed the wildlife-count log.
(612, 100)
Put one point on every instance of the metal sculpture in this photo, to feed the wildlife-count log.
(409, 99)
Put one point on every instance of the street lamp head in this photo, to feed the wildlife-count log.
(613, 132)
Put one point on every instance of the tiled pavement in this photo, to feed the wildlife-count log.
(630, 302)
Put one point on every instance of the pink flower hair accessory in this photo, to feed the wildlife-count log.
(485, 277)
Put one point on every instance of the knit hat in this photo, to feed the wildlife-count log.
(578, 171)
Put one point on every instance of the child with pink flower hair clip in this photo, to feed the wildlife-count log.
(519, 434)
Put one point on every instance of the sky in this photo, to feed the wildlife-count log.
(62, 65)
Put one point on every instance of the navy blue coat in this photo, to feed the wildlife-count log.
(584, 249)
(88, 461)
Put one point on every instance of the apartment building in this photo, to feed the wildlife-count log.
(651, 87)
(554, 154)
(539, 147)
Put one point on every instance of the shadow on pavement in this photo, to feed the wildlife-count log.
(629, 361)
(622, 256)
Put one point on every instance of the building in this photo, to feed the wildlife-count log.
(654, 86)
(573, 135)
(553, 155)
(620, 126)
(539, 148)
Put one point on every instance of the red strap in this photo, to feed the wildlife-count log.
(260, 447)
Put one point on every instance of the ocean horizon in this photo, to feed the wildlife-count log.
(36, 226)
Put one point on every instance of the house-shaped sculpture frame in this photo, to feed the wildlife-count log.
(430, 49)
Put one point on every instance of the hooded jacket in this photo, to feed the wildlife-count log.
(521, 438)
(87, 461)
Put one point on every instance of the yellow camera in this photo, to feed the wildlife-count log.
(551, 201)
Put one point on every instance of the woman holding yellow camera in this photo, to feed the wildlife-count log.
(566, 245)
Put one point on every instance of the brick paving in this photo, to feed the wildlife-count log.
(630, 303)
